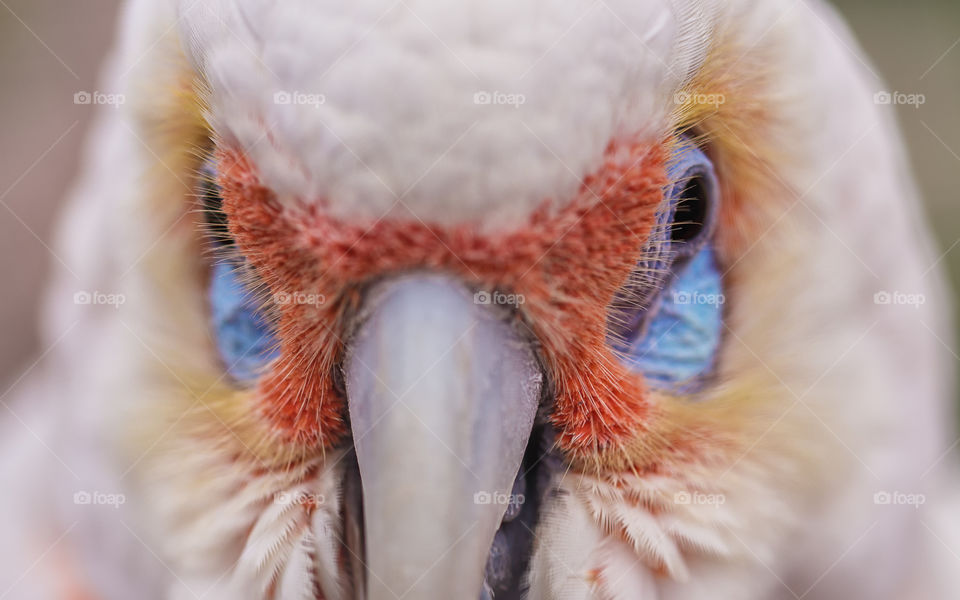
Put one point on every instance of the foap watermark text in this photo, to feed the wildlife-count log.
(896, 498)
(298, 297)
(295, 98)
(96, 498)
(483, 98)
(99, 98)
(688, 98)
(500, 498)
(898, 98)
(498, 298)
(697, 498)
(84, 297)
(698, 298)
(895, 298)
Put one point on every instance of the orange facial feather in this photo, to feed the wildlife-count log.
(567, 262)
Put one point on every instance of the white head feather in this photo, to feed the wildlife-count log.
(379, 107)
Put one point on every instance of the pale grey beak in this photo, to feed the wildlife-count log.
(442, 394)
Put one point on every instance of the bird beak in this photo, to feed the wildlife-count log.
(442, 393)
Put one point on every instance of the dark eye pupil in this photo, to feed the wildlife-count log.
(692, 213)
(215, 220)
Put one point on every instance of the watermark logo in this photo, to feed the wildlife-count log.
(885, 298)
(483, 98)
(884, 97)
(895, 498)
(687, 98)
(298, 297)
(299, 99)
(99, 98)
(499, 498)
(84, 297)
(498, 298)
(699, 498)
(299, 497)
(95, 498)
(698, 298)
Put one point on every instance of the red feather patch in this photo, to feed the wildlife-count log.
(568, 263)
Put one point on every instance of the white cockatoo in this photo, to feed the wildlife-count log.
(550, 300)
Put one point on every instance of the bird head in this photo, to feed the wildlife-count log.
(473, 316)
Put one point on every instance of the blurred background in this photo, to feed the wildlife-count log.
(53, 49)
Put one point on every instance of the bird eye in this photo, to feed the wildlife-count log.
(214, 219)
(243, 334)
(692, 200)
(691, 215)
(666, 323)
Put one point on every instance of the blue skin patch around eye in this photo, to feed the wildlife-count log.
(245, 340)
(681, 340)
(676, 346)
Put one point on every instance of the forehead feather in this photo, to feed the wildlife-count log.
(455, 112)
